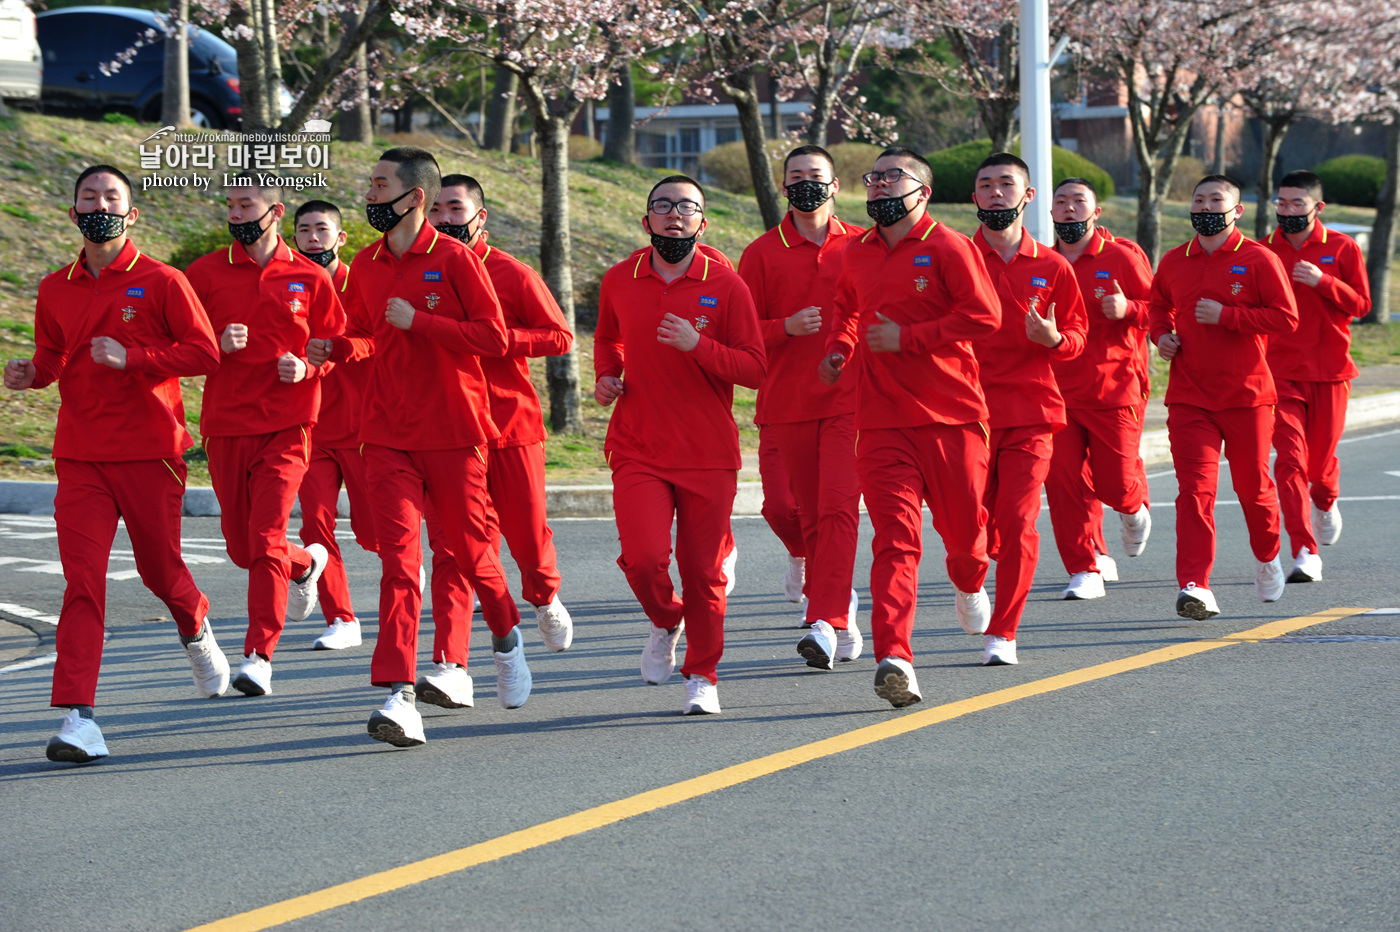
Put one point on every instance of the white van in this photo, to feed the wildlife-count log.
(21, 62)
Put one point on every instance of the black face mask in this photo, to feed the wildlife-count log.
(1294, 224)
(323, 259)
(1208, 223)
(888, 211)
(250, 231)
(460, 231)
(672, 249)
(382, 216)
(102, 227)
(1072, 232)
(807, 196)
(1000, 218)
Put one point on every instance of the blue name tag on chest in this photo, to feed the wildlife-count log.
(1328, 260)
(432, 276)
(709, 302)
(1102, 273)
(923, 260)
(1037, 282)
(1238, 270)
(141, 292)
(296, 286)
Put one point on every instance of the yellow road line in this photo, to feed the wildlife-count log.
(556, 829)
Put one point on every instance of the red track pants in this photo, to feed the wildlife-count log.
(1196, 436)
(820, 460)
(320, 493)
(944, 465)
(1020, 460)
(148, 495)
(1095, 459)
(646, 500)
(1308, 422)
(402, 485)
(256, 478)
(779, 505)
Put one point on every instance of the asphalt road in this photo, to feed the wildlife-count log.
(1248, 786)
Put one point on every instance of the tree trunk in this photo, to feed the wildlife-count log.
(590, 128)
(742, 89)
(824, 100)
(1274, 131)
(1000, 120)
(250, 67)
(403, 117)
(272, 63)
(175, 92)
(775, 117)
(622, 113)
(480, 137)
(556, 246)
(355, 123)
(352, 42)
(1383, 233)
(500, 117)
(1220, 138)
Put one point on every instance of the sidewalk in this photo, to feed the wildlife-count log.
(1375, 400)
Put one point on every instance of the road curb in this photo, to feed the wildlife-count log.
(593, 501)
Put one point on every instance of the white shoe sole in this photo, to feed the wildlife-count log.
(383, 728)
(248, 686)
(1190, 607)
(62, 752)
(427, 692)
(893, 687)
(811, 650)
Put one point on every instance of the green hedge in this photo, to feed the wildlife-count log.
(1353, 180)
(955, 170)
(206, 240)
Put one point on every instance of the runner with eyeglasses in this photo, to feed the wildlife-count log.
(676, 332)
(912, 296)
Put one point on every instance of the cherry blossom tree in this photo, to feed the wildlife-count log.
(1379, 76)
(1173, 56)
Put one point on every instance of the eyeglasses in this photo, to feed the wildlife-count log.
(661, 207)
(888, 176)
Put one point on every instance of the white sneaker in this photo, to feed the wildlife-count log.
(896, 683)
(849, 642)
(974, 611)
(1107, 567)
(555, 624)
(1327, 524)
(701, 697)
(659, 656)
(1137, 527)
(1195, 602)
(1084, 586)
(209, 664)
(448, 687)
(998, 652)
(727, 567)
(422, 579)
(1269, 580)
(819, 646)
(1307, 567)
(339, 635)
(79, 741)
(795, 578)
(301, 593)
(254, 677)
(398, 723)
(513, 679)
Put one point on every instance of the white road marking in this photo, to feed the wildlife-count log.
(53, 567)
(29, 664)
(124, 575)
(21, 611)
(37, 535)
(1393, 472)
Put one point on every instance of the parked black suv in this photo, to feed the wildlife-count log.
(76, 41)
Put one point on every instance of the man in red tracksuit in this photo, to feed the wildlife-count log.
(265, 300)
(1312, 367)
(335, 443)
(1042, 321)
(676, 332)
(791, 272)
(1095, 456)
(912, 296)
(1215, 302)
(423, 305)
(515, 475)
(117, 329)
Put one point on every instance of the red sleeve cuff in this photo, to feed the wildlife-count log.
(136, 358)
